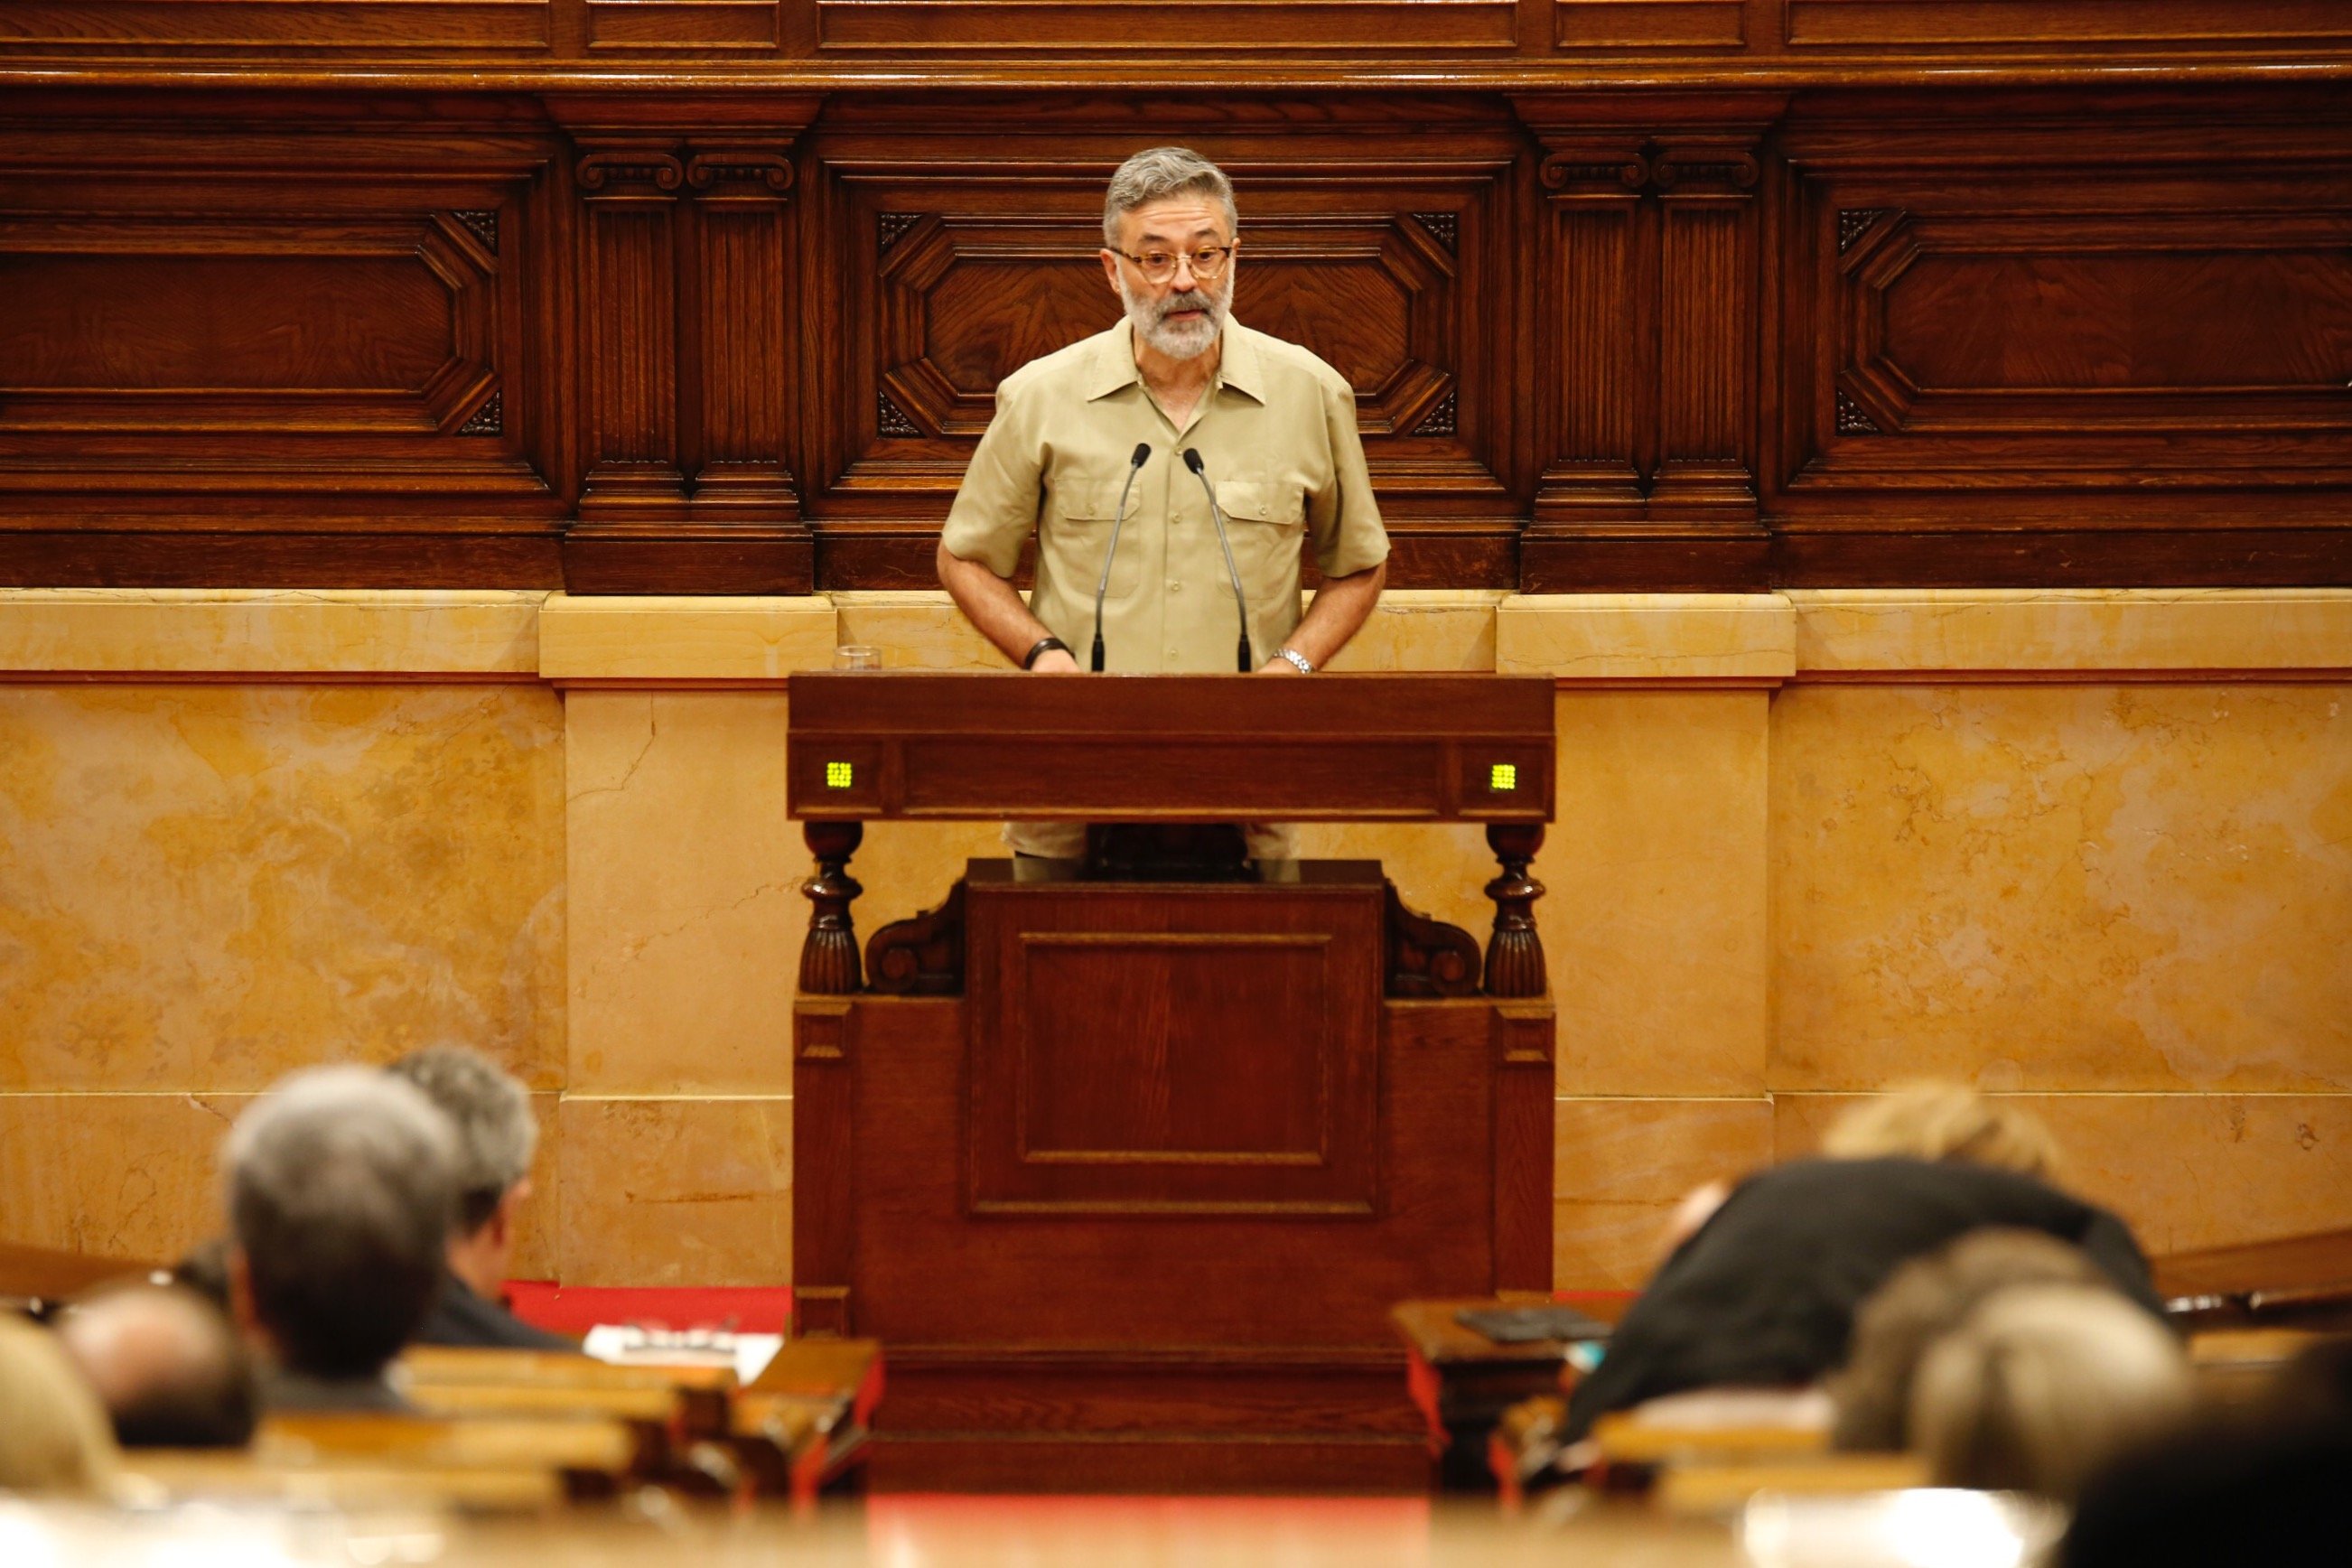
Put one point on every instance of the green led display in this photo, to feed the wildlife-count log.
(1502, 776)
(839, 775)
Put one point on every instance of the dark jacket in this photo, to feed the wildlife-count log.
(1764, 1294)
(287, 1392)
(461, 1317)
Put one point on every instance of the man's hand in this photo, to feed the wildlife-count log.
(1054, 661)
(1278, 665)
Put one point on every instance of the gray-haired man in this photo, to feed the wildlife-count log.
(340, 1188)
(1274, 429)
(496, 1136)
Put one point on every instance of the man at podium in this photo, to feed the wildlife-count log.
(1170, 468)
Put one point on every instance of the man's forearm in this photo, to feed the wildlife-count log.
(991, 603)
(1339, 610)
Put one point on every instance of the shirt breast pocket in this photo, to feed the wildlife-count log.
(1079, 537)
(1266, 521)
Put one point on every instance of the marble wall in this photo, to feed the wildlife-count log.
(2093, 849)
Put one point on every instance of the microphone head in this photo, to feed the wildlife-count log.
(1192, 458)
(1143, 451)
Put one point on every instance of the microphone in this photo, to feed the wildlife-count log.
(1242, 654)
(1134, 467)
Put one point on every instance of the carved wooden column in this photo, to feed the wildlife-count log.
(1515, 955)
(628, 330)
(1652, 326)
(688, 305)
(829, 956)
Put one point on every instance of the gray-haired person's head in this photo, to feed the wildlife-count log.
(1159, 174)
(497, 1133)
(342, 1189)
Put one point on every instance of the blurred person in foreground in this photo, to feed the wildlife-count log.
(1761, 1291)
(54, 1439)
(496, 1137)
(2264, 1485)
(1921, 1302)
(167, 1365)
(2042, 1386)
(341, 1191)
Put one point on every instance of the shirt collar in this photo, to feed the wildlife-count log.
(1237, 363)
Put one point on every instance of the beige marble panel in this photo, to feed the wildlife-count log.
(338, 631)
(1847, 630)
(2063, 887)
(676, 1192)
(1653, 920)
(1646, 636)
(1620, 1166)
(686, 912)
(138, 1176)
(2186, 1170)
(631, 638)
(916, 630)
(202, 887)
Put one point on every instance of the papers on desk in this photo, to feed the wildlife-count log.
(633, 1344)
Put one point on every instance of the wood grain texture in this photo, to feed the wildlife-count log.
(1672, 337)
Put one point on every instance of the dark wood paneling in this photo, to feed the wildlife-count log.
(1039, 25)
(340, 25)
(2132, 331)
(250, 328)
(1640, 339)
(1649, 24)
(1882, 23)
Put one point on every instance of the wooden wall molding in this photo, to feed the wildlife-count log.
(695, 341)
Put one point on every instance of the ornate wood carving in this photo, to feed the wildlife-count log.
(1515, 955)
(922, 956)
(2068, 325)
(1029, 26)
(1428, 957)
(829, 954)
(688, 301)
(2093, 335)
(1649, 24)
(970, 272)
(1651, 265)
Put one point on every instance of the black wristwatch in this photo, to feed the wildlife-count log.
(1039, 651)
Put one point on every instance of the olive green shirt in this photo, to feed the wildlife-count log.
(1276, 434)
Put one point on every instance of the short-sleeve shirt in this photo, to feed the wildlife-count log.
(1276, 434)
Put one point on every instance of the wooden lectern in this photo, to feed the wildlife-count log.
(1126, 1170)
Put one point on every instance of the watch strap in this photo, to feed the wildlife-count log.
(1039, 651)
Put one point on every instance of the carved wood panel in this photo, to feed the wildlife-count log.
(274, 24)
(1882, 23)
(1201, 1052)
(2105, 320)
(1649, 24)
(937, 279)
(290, 335)
(1028, 25)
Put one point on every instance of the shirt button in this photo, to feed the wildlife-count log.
(1175, 587)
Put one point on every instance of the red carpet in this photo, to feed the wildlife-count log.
(574, 1310)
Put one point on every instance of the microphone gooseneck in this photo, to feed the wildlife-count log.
(1242, 659)
(1134, 467)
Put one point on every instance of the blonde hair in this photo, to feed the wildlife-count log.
(2042, 1386)
(54, 1435)
(1944, 1121)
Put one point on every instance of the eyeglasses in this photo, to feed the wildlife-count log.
(1208, 263)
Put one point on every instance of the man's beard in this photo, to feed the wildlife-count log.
(1187, 339)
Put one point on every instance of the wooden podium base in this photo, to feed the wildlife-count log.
(1129, 1211)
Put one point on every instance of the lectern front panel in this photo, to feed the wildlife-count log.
(1197, 1049)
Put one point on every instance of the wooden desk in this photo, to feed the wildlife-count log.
(1462, 1381)
(2299, 1281)
(38, 1277)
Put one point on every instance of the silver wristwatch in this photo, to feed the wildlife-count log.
(1297, 658)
